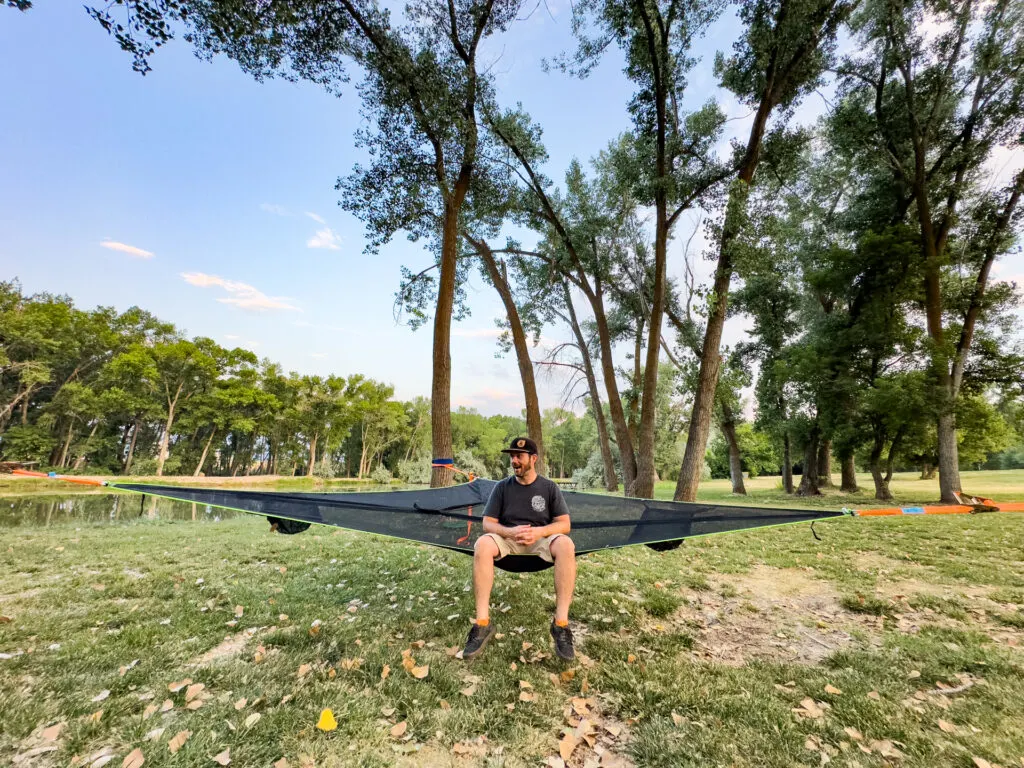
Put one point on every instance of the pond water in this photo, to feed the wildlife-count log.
(119, 508)
(34, 511)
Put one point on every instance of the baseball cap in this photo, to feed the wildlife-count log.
(521, 445)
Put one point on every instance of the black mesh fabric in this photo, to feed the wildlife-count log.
(451, 517)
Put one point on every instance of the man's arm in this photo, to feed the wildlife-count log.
(491, 525)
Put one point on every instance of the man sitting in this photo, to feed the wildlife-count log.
(525, 515)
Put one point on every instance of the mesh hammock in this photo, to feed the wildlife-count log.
(451, 517)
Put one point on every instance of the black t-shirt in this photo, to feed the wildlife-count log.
(536, 504)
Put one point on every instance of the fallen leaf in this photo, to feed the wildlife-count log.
(154, 735)
(445, 705)
(224, 758)
(387, 711)
(677, 718)
(554, 761)
(527, 696)
(350, 664)
(167, 706)
(178, 741)
(122, 671)
(99, 587)
(630, 658)
(833, 690)
(240, 704)
(567, 746)
(527, 646)
(524, 685)
(259, 655)
(420, 672)
(981, 762)
(419, 644)
(175, 687)
(469, 691)
(133, 759)
(567, 675)
(5, 619)
(95, 716)
(914, 674)
(101, 695)
(327, 722)
(239, 611)
(53, 732)
(874, 696)
(252, 719)
(304, 669)
(194, 705)
(947, 726)
(399, 730)
(193, 690)
(810, 708)
(314, 628)
(385, 671)
(282, 763)
(283, 569)
(854, 734)
(885, 748)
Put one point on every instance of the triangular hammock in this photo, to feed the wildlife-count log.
(451, 517)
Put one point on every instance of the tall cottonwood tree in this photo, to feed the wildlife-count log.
(669, 159)
(942, 84)
(785, 48)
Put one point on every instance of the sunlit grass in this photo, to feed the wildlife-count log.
(86, 601)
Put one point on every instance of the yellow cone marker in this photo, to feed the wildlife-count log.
(327, 721)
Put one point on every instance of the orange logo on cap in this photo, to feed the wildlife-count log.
(520, 443)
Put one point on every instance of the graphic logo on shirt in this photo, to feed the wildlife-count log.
(538, 504)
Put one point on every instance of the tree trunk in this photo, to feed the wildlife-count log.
(611, 480)
(618, 416)
(312, 454)
(202, 459)
(825, 464)
(165, 441)
(728, 426)
(67, 444)
(633, 416)
(787, 463)
(24, 412)
(710, 358)
(849, 475)
(809, 479)
(131, 448)
(441, 381)
(80, 461)
(927, 471)
(882, 492)
(533, 417)
(949, 460)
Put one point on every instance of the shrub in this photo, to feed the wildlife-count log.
(414, 471)
(381, 475)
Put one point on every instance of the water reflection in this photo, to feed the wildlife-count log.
(100, 508)
(43, 511)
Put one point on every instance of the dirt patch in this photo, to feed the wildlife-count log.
(231, 646)
(15, 597)
(777, 614)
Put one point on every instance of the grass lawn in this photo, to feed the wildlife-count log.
(890, 642)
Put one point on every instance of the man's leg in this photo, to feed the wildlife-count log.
(484, 554)
(564, 553)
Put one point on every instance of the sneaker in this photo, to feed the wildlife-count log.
(478, 637)
(563, 642)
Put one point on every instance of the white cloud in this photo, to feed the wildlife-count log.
(317, 219)
(277, 210)
(131, 250)
(232, 336)
(241, 295)
(325, 238)
(318, 355)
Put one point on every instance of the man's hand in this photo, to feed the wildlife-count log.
(526, 535)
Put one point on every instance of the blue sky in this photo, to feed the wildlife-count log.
(208, 198)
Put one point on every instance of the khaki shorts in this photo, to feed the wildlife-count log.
(541, 547)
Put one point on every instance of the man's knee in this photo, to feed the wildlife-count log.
(562, 546)
(486, 548)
